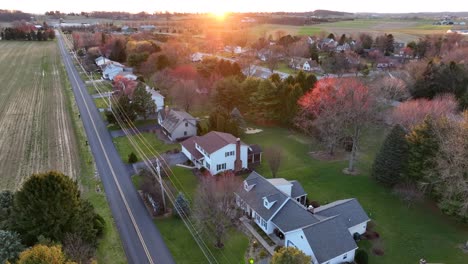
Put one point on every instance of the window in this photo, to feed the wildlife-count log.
(221, 167)
(345, 256)
(229, 153)
(186, 124)
(185, 133)
(207, 164)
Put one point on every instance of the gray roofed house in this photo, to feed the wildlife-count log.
(349, 210)
(177, 124)
(325, 233)
(301, 219)
(329, 239)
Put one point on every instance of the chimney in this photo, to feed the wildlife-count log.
(238, 161)
(166, 111)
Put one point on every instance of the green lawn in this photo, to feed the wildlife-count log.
(137, 123)
(102, 86)
(101, 102)
(408, 234)
(124, 146)
(184, 249)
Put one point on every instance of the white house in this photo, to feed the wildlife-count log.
(100, 61)
(157, 98)
(234, 49)
(325, 233)
(111, 71)
(127, 75)
(197, 56)
(176, 124)
(217, 152)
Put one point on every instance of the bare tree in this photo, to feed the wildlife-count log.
(392, 88)
(274, 157)
(408, 192)
(275, 53)
(184, 93)
(77, 249)
(215, 205)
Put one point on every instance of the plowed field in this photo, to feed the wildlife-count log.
(36, 132)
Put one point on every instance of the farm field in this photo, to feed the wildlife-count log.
(36, 132)
(403, 30)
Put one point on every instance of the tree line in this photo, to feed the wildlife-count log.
(22, 30)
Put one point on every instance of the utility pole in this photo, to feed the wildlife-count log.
(163, 193)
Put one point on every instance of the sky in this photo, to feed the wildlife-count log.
(218, 6)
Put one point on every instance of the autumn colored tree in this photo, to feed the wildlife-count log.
(124, 86)
(413, 112)
(41, 254)
(290, 255)
(337, 108)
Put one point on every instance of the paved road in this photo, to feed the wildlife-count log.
(141, 239)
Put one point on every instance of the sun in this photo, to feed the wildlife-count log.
(220, 15)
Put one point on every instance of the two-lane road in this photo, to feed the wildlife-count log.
(141, 240)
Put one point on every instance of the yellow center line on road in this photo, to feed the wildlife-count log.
(109, 163)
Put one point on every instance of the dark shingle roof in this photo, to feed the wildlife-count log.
(297, 189)
(255, 149)
(215, 140)
(329, 238)
(349, 210)
(293, 216)
(189, 144)
(254, 197)
(174, 118)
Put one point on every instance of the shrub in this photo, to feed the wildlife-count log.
(357, 236)
(315, 204)
(361, 257)
(378, 251)
(262, 254)
(132, 158)
(277, 248)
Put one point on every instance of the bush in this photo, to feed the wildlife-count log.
(262, 254)
(356, 236)
(315, 204)
(132, 158)
(277, 248)
(361, 257)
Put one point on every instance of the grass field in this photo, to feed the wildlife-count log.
(36, 132)
(408, 234)
(124, 146)
(403, 30)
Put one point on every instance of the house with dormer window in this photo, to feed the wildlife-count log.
(325, 233)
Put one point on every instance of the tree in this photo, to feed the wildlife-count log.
(10, 246)
(448, 180)
(77, 249)
(275, 52)
(182, 206)
(184, 93)
(423, 147)
(41, 254)
(215, 205)
(142, 102)
(392, 88)
(390, 163)
(265, 103)
(274, 156)
(6, 208)
(122, 110)
(413, 112)
(132, 158)
(290, 255)
(49, 204)
(118, 52)
(151, 188)
(228, 94)
(337, 107)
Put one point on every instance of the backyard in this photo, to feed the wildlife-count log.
(407, 234)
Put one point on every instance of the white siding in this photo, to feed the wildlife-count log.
(298, 239)
(341, 258)
(179, 131)
(360, 228)
(219, 157)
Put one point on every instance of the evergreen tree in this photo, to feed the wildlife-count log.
(389, 164)
(49, 205)
(132, 158)
(10, 246)
(182, 206)
(423, 147)
(6, 207)
(142, 102)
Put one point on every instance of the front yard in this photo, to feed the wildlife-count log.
(407, 234)
(124, 147)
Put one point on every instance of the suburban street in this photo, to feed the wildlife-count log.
(141, 239)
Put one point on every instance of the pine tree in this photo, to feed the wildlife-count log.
(389, 164)
(10, 246)
(423, 147)
(142, 102)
